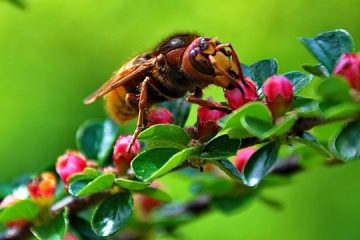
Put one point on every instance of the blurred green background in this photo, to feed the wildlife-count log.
(54, 53)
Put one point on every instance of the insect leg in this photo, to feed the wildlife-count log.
(208, 104)
(142, 108)
(236, 59)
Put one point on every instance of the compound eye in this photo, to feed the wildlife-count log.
(203, 46)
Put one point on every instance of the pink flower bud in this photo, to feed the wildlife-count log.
(121, 158)
(70, 163)
(42, 188)
(348, 67)
(242, 156)
(236, 98)
(207, 115)
(278, 91)
(159, 115)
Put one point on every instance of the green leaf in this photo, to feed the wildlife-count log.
(112, 214)
(310, 141)
(82, 188)
(346, 109)
(83, 228)
(334, 90)
(131, 184)
(247, 71)
(230, 203)
(345, 144)
(299, 102)
(213, 186)
(233, 126)
(161, 161)
(263, 130)
(164, 136)
(263, 69)
(327, 47)
(95, 139)
(318, 70)
(260, 163)
(180, 109)
(87, 174)
(157, 194)
(298, 80)
(21, 210)
(229, 169)
(220, 148)
(54, 230)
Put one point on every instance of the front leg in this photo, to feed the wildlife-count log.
(196, 98)
(142, 108)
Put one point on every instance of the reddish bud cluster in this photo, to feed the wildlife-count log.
(121, 158)
(42, 188)
(237, 98)
(278, 91)
(348, 67)
(242, 157)
(70, 163)
(159, 115)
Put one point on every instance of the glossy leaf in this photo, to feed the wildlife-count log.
(103, 182)
(87, 174)
(327, 47)
(233, 126)
(157, 194)
(229, 169)
(21, 210)
(345, 144)
(310, 141)
(83, 228)
(260, 163)
(298, 80)
(263, 69)
(318, 70)
(54, 230)
(164, 136)
(95, 139)
(220, 148)
(340, 110)
(131, 184)
(180, 109)
(112, 214)
(147, 163)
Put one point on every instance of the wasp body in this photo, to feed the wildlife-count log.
(180, 64)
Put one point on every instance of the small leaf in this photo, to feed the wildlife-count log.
(95, 139)
(131, 184)
(346, 109)
(83, 228)
(87, 174)
(21, 210)
(262, 70)
(230, 203)
(112, 214)
(334, 90)
(227, 167)
(82, 188)
(310, 141)
(164, 136)
(318, 70)
(327, 47)
(219, 148)
(260, 163)
(233, 126)
(300, 101)
(298, 80)
(213, 186)
(147, 163)
(157, 194)
(345, 144)
(54, 230)
(180, 109)
(247, 71)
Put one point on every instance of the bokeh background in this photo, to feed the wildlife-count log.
(54, 53)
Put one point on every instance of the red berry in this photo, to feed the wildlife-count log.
(159, 115)
(236, 98)
(278, 91)
(348, 67)
(242, 156)
(121, 158)
(70, 163)
(43, 186)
